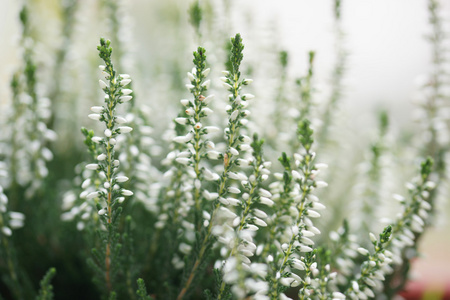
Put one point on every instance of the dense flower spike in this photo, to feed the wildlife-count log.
(233, 82)
(373, 268)
(300, 205)
(237, 236)
(108, 195)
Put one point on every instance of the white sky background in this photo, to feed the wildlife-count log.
(385, 40)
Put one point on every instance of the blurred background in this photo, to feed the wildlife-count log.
(388, 58)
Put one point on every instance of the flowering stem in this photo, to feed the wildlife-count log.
(234, 85)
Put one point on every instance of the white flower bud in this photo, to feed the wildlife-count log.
(124, 82)
(206, 84)
(127, 192)
(337, 295)
(121, 120)
(234, 115)
(264, 193)
(206, 72)
(321, 184)
(190, 76)
(97, 109)
(125, 129)
(247, 96)
(234, 151)
(182, 121)
(210, 176)
(373, 238)
(233, 190)
(266, 201)
(102, 211)
(213, 154)
(260, 222)
(183, 160)
(86, 183)
(92, 166)
(208, 99)
(206, 111)
(101, 156)
(286, 281)
(121, 178)
(103, 85)
(305, 249)
(108, 133)
(211, 129)
(252, 227)
(184, 138)
(363, 251)
(125, 98)
(226, 85)
(126, 92)
(92, 195)
(94, 116)
(242, 162)
(97, 139)
(190, 111)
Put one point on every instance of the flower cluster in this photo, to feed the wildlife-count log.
(107, 164)
(244, 276)
(373, 268)
(104, 186)
(232, 156)
(294, 238)
(187, 170)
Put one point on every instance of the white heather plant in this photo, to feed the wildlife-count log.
(108, 193)
(204, 210)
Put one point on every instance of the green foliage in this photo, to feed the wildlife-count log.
(283, 58)
(305, 134)
(236, 54)
(142, 290)
(337, 9)
(46, 290)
